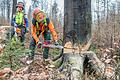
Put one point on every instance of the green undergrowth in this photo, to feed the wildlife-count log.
(94, 49)
(12, 53)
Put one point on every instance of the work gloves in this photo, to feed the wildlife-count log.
(15, 25)
(56, 42)
(39, 44)
(27, 30)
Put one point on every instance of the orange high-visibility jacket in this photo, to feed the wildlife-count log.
(41, 28)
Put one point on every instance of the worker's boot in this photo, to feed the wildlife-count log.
(45, 56)
(47, 37)
(22, 37)
(30, 57)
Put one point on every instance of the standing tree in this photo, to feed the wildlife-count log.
(2, 12)
(55, 13)
(35, 3)
(14, 7)
(77, 20)
(42, 4)
(8, 9)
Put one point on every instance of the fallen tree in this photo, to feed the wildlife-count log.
(78, 63)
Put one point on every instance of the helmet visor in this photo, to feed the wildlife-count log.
(40, 17)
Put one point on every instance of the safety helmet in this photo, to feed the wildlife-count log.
(38, 14)
(20, 4)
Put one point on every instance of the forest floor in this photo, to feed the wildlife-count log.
(46, 70)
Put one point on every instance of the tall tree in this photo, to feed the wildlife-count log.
(77, 20)
(2, 14)
(55, 13)
(3, 11)
(8, 9)
(14, 7)
(35, 3)
(42, 4)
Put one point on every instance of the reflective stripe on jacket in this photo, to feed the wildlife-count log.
(19, 18)
(42, 28)
(23, 20)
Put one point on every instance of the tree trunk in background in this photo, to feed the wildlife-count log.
(8, 10)
(98, 21)
(4, 12)
(77, 19)
(14, 7)
(79, 62)
(54, 14)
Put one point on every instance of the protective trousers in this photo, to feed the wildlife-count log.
(47, 37)
(22, 37)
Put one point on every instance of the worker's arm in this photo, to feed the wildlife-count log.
(52, 30)
(13, 22)
(26, 22)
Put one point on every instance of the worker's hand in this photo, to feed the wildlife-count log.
(15, 25)
(56, 42)
(27, 30)
(39, 44)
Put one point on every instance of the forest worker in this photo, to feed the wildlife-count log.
(41, 24)
(20, 22)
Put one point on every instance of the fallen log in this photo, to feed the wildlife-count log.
(75, 66)
(77, 61)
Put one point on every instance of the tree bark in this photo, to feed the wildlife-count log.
(77, 64)
(8, 10)
(14, 7)
(77, 17)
